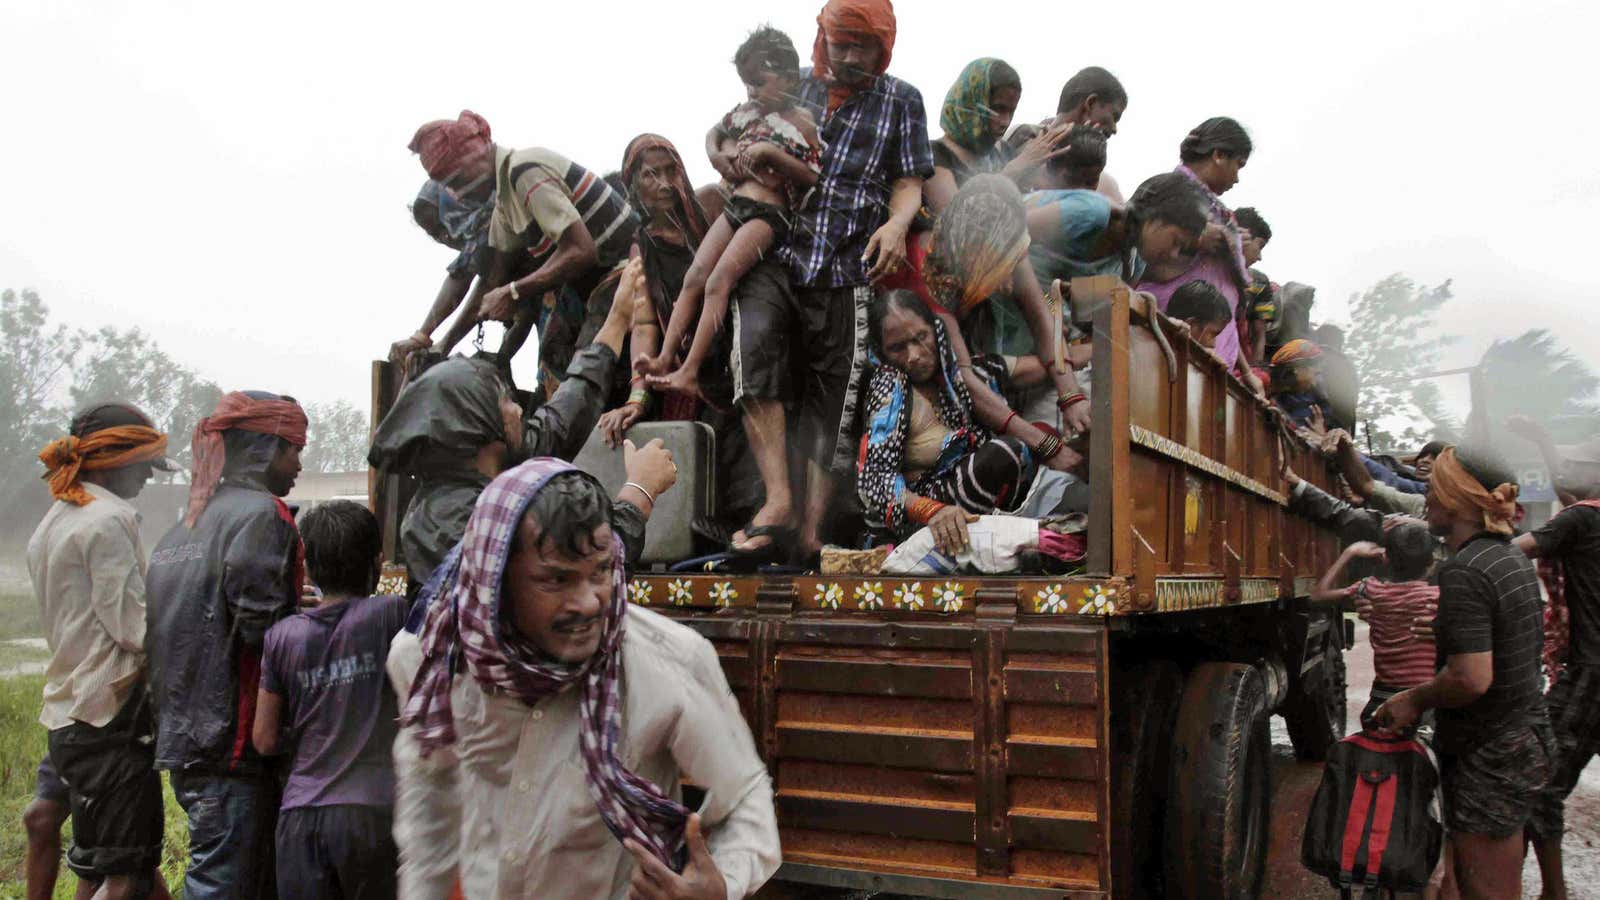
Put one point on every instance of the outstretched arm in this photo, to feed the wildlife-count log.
(575, 254)
(1047, 334)
(1325, 592)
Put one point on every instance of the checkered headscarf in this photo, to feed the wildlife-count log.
(465, 627)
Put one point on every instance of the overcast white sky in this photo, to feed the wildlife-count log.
(234, 178)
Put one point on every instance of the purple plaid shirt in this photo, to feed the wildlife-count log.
(878, 135)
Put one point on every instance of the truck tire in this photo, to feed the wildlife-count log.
(1315, 711)
(1219, 787)
(1144, 710)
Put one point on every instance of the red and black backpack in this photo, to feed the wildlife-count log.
(1374, 823)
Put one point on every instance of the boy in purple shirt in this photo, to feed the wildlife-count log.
(324, 699)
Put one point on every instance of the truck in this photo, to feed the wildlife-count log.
(1097, 734)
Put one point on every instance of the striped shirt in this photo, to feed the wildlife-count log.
(1489, 602)
(1399, 659)
(540, 194)
(877, 135)
(88, 567)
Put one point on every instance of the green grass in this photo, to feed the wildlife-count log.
(22, 745)
(19, 614)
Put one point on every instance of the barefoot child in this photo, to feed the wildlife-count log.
(768, 149)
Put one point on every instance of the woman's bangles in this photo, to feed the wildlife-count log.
(1049, 447)
(923, 509)
(1067, 400)
(637, 393)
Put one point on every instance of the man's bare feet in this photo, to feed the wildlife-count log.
(683, 381)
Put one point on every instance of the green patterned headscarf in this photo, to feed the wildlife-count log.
(965, 115)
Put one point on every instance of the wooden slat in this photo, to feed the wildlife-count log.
(938, 753)
(1042, 831)
(900, 820)
(891, 677)
(1051, 685)
(1053, 760)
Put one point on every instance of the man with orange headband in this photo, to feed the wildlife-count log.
(87, 566)
(849, 232)
(218, 580)
(1494, 742)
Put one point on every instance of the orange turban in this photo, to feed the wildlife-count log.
(238, 410)
(870, 17)
(444, 144)
(1298, 350)
(109, 448)
(1451, 486)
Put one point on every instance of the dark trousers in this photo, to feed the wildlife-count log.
(1574, 704)
(337, 852)
(114, 794)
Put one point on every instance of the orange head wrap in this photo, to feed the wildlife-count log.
(1451, 486)
(1298, 350)
(874, 18)
(444, 144)
(109, 448)
(282, 418)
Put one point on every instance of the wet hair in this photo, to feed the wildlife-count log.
(1485, 466)
(887, 302)
(1410, 547)
(567, 510)
(1087, 152)
(1251, 220)
(1092, 81)
(1431, 449)
(1002, 76)
(1199, 300)
(426, 214)
(100, 416)
(768, 50)
(1170, 197)
(1329, 337)
(341, 543)
(1214, 134)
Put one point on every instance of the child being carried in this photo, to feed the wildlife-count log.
(766, 148)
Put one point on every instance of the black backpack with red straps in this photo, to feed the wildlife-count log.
(1374, 824)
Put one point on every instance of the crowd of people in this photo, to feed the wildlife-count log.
(869, 321)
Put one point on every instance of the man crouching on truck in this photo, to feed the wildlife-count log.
(561, 677)
(457, 425)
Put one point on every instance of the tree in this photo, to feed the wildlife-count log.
(129, 367)
(336, 438)
(1533, 375)
(1393, 340)
(32, 359)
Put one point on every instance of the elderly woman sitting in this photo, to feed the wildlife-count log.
(926, 459)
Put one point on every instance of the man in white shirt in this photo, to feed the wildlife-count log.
(88, 567)
(576, 716)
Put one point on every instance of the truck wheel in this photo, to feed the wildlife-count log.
(1315, 710)
(1219, 786)
(1143, 712)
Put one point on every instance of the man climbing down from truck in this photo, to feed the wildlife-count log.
(556, 226)
(534, 672)
(1494, 743)
(458, 425)
(850, 232)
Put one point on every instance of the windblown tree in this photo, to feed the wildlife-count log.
(1533, 375)
(1392, 341)
(33, 357)
(336, 438)
(129, 366)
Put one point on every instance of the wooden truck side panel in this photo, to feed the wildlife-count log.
(958, 749)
